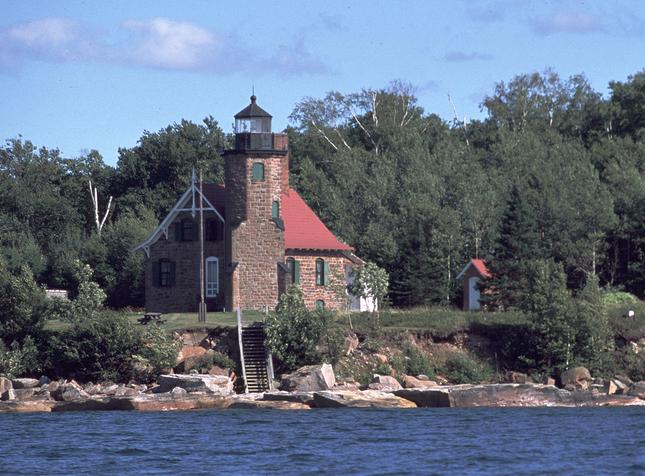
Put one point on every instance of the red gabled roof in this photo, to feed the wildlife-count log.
(481, 267)
(302, 227)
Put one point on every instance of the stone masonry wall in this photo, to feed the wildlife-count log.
(333, 294)
(184, 295)
(256, 241)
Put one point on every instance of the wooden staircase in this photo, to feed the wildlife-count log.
(257, 366)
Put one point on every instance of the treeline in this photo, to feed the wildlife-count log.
(555, 172)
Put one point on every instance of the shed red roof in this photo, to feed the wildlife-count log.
(481, 267)
(303, 229)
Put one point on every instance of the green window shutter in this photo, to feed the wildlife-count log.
(275, 209)
(326, 273)
(155, 273)
(178, 226)
(257, 171)
(296, 272)
(172, 274)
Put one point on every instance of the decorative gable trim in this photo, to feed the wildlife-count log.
(191, 193)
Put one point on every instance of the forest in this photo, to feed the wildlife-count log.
(554, 173)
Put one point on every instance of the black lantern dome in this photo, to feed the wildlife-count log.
(253, 119)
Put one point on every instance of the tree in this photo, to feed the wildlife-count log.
(370, 282)
(552, 316)
(594, 334)
(515, 254)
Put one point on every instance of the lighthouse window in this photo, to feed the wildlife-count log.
(258, 172)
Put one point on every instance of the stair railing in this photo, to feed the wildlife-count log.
(239, 341)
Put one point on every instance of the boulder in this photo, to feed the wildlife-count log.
(621, 387)
(68, 392)
(17, 406)
(309, 379)
(189, 356)
(414, 382)
(123, 391)
(217, 370)
(516, 377)
(170, 402)
(178, 391)
(24, 383)
(610, 387)
(549, 381)
(271, 404)
(24, 393)
(6, 389)
(213, 384)
(426, 397)
(384, 383)
(298, 397)
(620, 378)
(495, 395)
(360, 399)
(347, 384)
(576, 378)
(637, 389)
(44, 380)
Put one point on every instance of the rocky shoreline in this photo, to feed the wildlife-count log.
(197, 392)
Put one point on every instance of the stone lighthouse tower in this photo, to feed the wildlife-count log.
(256, 175)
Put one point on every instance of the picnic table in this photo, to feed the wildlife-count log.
(151, 317)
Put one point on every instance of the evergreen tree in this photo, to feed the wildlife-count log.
(517, 250)
(552, 316)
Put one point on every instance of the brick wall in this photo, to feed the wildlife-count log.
(184, 295)
(332, 294)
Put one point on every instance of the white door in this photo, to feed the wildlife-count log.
(473, 294)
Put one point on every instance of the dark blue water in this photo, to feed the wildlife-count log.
(351, 441)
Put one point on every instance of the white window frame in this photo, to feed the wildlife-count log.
(211, 285)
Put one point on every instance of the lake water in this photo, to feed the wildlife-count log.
(338, 441)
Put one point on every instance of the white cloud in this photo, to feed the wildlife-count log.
(567, 22)
(168, 44)
(159, 43)
(462, 56)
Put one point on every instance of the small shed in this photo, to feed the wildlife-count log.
(471, 275)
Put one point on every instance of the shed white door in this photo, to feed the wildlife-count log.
(473, 294)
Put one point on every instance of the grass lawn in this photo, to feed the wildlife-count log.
(175, 321)
(439, 321)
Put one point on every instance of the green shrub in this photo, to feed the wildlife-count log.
(206, 361)
(292, 332)
(158, 350)
(97, 348)
(618, 297)
(382, 369)
(461, 368)
(418, 362)
(19, 359)
(331, 342)
(21, 305)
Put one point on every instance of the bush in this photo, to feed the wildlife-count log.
(331, 341)
(21, 305)
(418, 362)
(292, 332)
(20, 359)
(158, 351)
(461, 368)
(618, 297)
(97, 348)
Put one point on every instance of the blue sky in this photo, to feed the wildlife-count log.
(82, 75)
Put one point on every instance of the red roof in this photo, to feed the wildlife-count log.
(303, 229)
(481, 267)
